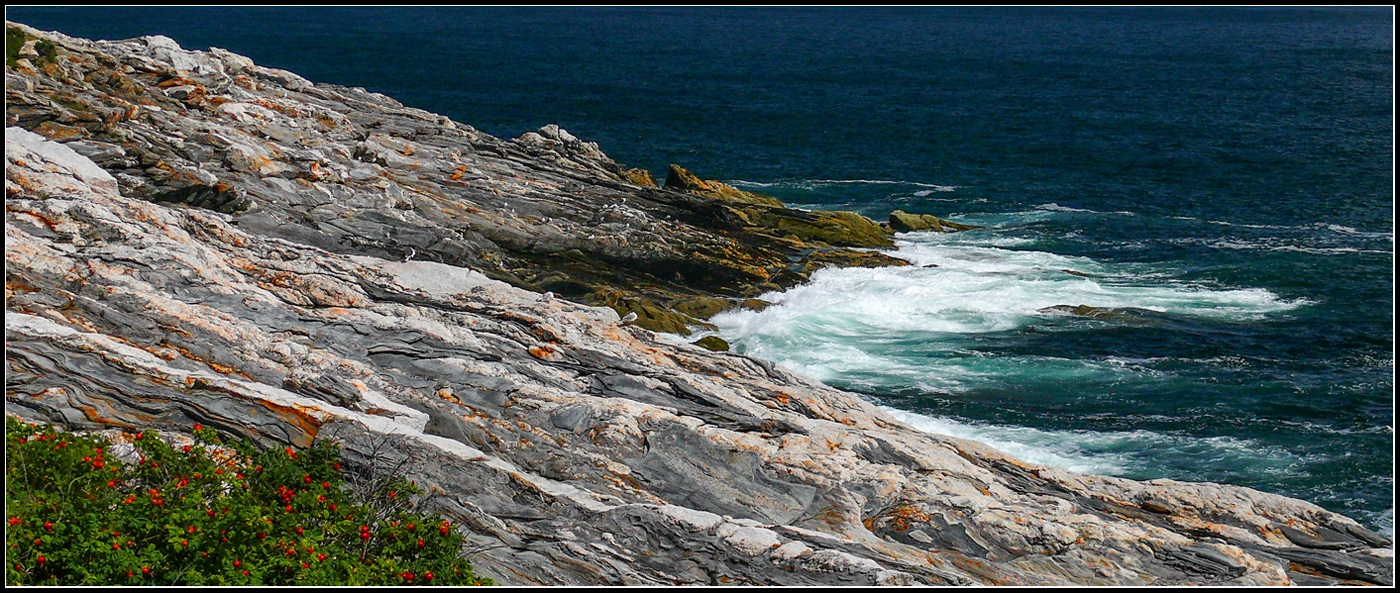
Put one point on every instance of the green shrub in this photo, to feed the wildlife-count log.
(14, 41)
(15, 38)
(210, 514)
(47, 50)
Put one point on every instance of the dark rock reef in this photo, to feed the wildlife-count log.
(193, 238)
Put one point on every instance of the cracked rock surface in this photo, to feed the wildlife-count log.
(356, 172)
(222, 266)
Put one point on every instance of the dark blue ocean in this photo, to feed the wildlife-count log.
(1221, 179)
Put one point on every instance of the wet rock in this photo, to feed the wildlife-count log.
(703, 307)
(840, 229)
(845, 258)
(1125, 314)
(906, 223)
(714, 343)
(756, 304)
(649, 314)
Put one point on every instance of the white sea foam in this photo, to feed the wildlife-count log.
(1250, 226)
(933, 186)
(962, 288)
(937, 188)
(1134, 453)
(1346, 230)
(1384, 522)
(1053, 207)
(814, 183)
(904, 326)
(888, 330)
(1273, 244)
(1027, 444)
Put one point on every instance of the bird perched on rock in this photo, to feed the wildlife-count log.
(629, 318)
(411, 252)
(546, 297)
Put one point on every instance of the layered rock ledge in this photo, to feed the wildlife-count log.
(356, 172)
(194, 238)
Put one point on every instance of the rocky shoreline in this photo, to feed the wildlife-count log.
(193, 238)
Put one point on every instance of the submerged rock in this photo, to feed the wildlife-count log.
(1111, 313)
(377, 304)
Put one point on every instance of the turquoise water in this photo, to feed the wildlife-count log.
(1221, 179)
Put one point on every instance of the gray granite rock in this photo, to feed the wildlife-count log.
(356, 172)
(570, 448)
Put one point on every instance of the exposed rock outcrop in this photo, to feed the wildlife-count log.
(714, 343)
(904, 222)
(342, 300)
(683, 180)
(766, 215)
(640, 177)
(356, 172)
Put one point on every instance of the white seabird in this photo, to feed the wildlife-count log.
(548, 296)
(629, 318)
(411, 252)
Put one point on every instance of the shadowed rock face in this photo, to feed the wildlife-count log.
(576, 450)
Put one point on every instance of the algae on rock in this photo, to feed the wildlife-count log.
(681, 179)
(904, 222)
(650, 315)
(640, 177)
(714, 343)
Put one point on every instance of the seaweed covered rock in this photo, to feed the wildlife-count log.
(846, 258)
(714, 343)
(904, 222)
(650, 315)
(703, 307)
(836, 229)
(680, 179)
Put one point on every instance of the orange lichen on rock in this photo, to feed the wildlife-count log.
(546, 352)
